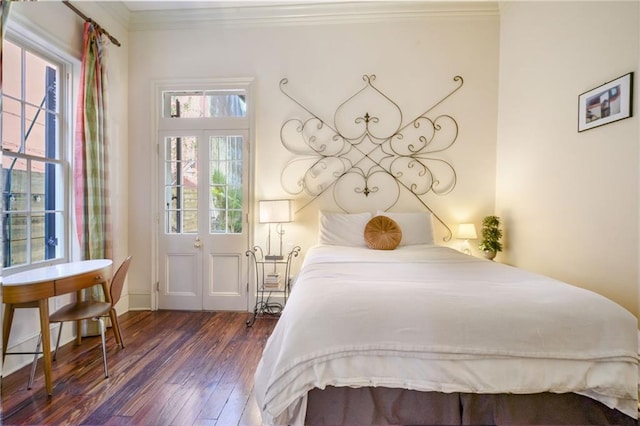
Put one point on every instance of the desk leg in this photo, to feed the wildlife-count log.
(79, 322)
(6, 327)
(43, 305)
(78, 332)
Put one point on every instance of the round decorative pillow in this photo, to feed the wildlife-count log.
(382, 233)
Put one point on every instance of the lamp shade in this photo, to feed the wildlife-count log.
(467, 231)
(275, 211)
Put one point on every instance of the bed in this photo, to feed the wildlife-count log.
(423, 334)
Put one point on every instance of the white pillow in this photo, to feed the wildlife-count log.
(343, 229)
(416, 227)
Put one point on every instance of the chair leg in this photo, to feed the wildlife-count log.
(35, 363)
(104, 346)
(55, 353)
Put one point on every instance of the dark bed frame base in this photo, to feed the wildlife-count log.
(385, 406)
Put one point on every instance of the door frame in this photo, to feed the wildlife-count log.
(157, 89)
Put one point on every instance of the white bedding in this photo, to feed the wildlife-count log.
(432, 319)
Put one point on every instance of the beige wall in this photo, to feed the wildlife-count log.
(569, 199)
(414, 60)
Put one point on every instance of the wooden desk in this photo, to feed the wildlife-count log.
(34, 288)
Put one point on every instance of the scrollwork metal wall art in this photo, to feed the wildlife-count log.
(368, 147)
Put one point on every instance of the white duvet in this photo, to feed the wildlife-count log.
(432, 319)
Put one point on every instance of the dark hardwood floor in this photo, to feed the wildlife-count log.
(177, 368)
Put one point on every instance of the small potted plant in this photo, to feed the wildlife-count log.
(491, 234)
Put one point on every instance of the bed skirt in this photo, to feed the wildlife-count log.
(385, 406)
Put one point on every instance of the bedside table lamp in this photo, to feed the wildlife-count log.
(278, 212)
(466, 232)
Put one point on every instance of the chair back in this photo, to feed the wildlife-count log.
(117, 282)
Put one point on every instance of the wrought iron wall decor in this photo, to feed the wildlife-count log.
(368, 147)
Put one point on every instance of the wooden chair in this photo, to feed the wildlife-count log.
(90, 309)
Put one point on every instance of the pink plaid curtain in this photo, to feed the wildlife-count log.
(91, 149)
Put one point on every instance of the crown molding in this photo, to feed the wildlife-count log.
(117, 10)
(252, 14)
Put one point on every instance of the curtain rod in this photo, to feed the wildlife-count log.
(98, 27)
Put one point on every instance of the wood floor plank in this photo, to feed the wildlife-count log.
(242, 380)
(177, 367)
(251, 414)
(151, 413)
(208, 372)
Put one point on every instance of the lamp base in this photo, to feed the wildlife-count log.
(273, 257)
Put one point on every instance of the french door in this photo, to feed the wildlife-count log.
(203, 230)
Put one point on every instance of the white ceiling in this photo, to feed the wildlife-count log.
(150, 5)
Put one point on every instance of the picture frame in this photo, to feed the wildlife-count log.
(606, 103)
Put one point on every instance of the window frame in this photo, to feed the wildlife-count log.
(67, 65)
(176, 125)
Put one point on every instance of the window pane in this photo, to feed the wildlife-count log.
(170, 173)
(37, 238)
(45, 240)
(225, 105)
(171, 197)
(170, 149)
(181, 179)
(40, 129)
(183, 148)
(181, 155)
(235, 161)
(54, 235)
(190, 222)
(37, 87)
(11, 127)
(225, 184)
(218, 222)
(189, 175)
(209, 104)
(15, 248)
(34, 131)
(190, 198)
(184, 105)
(54, 195)
(172, 222)
(11, 70)
(235, 221)
(226, 222)
(37, 186)
(217, 200)
(15, 183)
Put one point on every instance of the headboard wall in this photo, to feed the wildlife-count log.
(368, 155)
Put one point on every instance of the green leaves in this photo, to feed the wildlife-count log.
(491, 234)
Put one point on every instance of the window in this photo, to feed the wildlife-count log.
(203, 159)
(34, 169)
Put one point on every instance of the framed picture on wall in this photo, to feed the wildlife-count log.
(605, 104)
